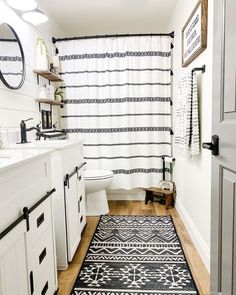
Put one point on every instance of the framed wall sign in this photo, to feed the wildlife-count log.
(194, 33)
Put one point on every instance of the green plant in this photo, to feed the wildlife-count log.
(42, 44)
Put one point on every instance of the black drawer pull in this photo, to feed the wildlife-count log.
(81, 218)
(81, 197)
(40, 220)
(80, 177)
(45, 288)
(42, 255)
(31, 282)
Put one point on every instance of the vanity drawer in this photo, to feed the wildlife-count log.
(42, 255)
(39, 220)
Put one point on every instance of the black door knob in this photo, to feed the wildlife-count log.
(213, 145)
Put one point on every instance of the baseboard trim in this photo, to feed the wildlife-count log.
(199, 243)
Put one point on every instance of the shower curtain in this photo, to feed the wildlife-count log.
(118, 95)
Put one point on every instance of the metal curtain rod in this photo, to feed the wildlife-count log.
(201, 69)
(54, 40)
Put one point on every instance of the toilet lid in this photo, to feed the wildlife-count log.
(97, 174)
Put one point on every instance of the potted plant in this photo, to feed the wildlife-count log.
(42, 56)
(59, 94)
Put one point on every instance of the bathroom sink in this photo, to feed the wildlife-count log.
(5, 156)
(4, 159)
(42, 144)
(10, 158)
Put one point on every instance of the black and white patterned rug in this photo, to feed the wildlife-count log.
(135, 255)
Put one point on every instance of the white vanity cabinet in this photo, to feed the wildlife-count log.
(27, 237)
(67, 171)
(69, 200)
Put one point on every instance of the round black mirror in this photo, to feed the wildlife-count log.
(12, 61)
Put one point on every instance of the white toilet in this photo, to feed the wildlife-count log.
(96, 182)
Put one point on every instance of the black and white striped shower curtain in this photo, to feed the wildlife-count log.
(118, 94)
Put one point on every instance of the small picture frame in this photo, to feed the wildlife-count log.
(194, 33)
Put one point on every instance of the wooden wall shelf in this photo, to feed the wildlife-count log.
(49, 76)
(49, 101)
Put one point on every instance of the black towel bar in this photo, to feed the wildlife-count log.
(201, 69)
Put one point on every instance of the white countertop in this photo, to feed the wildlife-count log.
(47, 144)
(13, 158)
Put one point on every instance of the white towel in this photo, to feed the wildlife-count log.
(186, 117)
(194, 139)
(182, 115)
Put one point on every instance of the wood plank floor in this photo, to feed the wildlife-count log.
(67, 278)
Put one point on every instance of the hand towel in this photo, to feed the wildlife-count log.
(186, 117)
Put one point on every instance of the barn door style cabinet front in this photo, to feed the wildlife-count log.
(14, 273)
(67, 177)
(67, 169)
(27, 239)
(75, 208)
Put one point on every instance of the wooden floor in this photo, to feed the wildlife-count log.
(200, 274)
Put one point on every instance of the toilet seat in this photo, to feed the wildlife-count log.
(97, 174)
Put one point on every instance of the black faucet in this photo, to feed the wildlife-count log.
(24, 130)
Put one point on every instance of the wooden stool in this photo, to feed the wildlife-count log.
(169, 195)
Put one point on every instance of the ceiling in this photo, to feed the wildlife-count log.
(92, 17)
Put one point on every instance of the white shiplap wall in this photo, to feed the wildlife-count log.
(20, 104)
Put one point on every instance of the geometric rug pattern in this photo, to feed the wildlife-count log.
(135, 255)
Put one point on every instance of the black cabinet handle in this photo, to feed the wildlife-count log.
(26, 216)
(31, 283)
(40, 220)
(42, 255)
(81, 218)
(213, 146)
(80, 199)
(45, 288)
